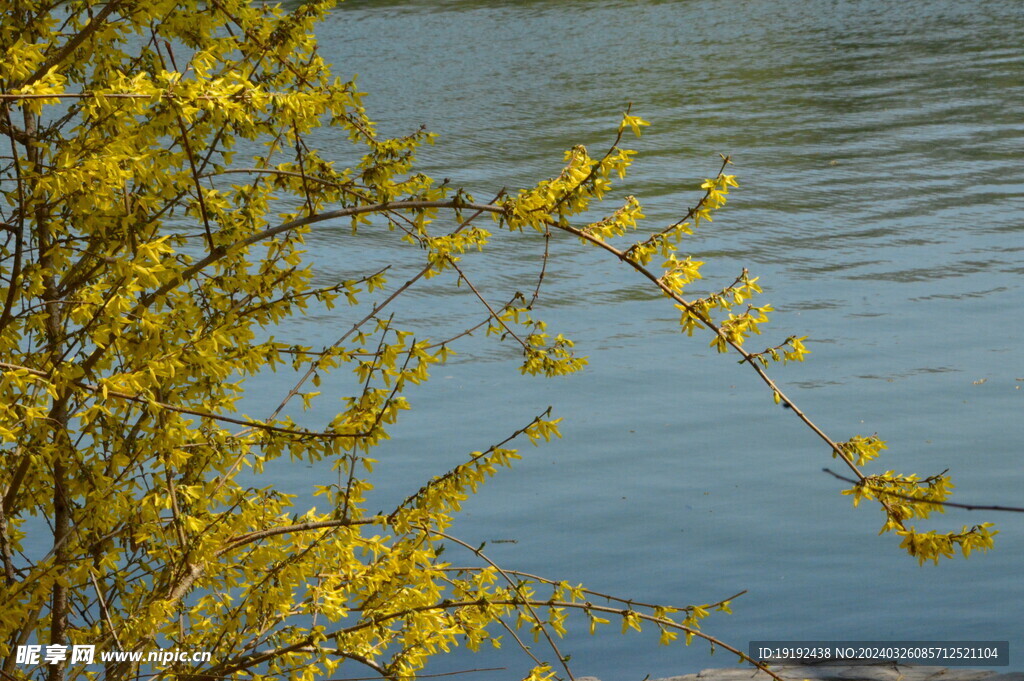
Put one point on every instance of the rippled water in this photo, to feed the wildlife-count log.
(878, 146)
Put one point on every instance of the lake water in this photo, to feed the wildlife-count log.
(879, 147)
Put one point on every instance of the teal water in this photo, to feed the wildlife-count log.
(878, 145)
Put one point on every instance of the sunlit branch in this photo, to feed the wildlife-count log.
(866, 483)
(149, 401)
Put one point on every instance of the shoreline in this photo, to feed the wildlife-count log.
(839, 671)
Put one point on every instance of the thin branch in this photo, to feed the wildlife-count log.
(454, 471)
(19, 232)
(715, 329)
(515, 587)
(481, 208)
(866, 482)
(223, 251)
(242, 540)
(250, 424)
(513, 602)
(104, 609)
(598, 594)
(277, 171)
(69, 47)
(425, 676)
(490, 310)
(593, 170)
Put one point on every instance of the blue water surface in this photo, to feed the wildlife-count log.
(878, 146)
